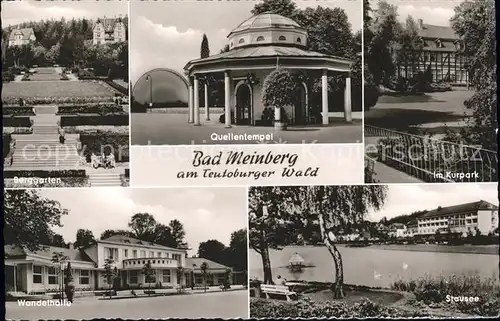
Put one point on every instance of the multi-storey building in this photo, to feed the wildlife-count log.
(441, 52)
(35, 272)
(460, 219)
(109, 30)
(22, 36)
(397, 230)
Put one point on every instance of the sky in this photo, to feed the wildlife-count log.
(433, 12)
(14, 12)
(209, 213)
(405, 199)
(169, 34)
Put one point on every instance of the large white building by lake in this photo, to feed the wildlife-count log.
(35, 272)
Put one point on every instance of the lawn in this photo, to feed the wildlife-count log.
(428, 111)
(28, 89)
(44, 77)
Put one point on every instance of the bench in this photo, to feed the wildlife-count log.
(277, 290)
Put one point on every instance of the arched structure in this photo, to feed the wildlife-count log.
(258, 46)
(243, 102)
(162, 87)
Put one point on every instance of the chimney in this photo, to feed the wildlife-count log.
(420, 24)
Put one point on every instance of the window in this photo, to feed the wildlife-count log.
(166, 276)
(151, 254)
(134, 254)
(37, 274)
(52, 275)
(260, 38)
(133, 277)
(111, 253)
(143, 253)
(231, 43)
(84, 277)
(159, 254)
(166, 255)
(241, 40)
(299, 40)
(125, 253)
(282, 38)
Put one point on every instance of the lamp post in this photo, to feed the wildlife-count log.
(149, 80)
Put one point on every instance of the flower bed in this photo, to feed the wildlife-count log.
(56, 100)
(102, 109)
(114, 120)
(61, 89)
(124, 130)
(17, 130)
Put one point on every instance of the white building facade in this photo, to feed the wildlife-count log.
(109, 30)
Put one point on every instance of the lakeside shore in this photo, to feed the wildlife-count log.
(466, 249)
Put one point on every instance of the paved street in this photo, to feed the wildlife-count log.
(232, 304)
(173, 129)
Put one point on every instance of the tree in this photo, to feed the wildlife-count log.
(29, 230)
(143, 225)
(278, 91)
(110, 274)
(205, 49)
(69, 287)
(59, 259)
(286, 8)
(333, 207)
(84, 239)
(109, 233)
(212, 250)
(384, 31)
(148, 273)
(237, 252)
(475, 23)
(178, 233)
(204, 273)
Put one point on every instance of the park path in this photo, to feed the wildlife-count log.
(386, 174)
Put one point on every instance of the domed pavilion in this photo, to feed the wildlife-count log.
(258, 46)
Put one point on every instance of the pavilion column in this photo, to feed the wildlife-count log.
(196, 100)
(227, 99)
(347, 99)
(324, 96)
(190, 103)
(207, 109)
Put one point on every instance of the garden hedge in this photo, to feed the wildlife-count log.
(6, 139)
(16, 121)
(57, 100)
(45, 173)
(101, 120)
(18, 111)
(105, 142)
(90, 109)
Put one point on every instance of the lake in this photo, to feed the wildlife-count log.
(372, 266)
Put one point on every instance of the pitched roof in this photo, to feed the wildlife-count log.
(14, 251)
(263, 51)
(127, 240)
(196, 262)
(437, 32)
(462, 208)
(108, 23)
(25, 32)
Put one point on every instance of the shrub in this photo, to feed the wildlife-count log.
(105, 142)
(12, 121)
(64, 76)
(371, 90)
(85, 74)
(305, 308)
(8, 76)
(26, 77)
(433, 290)
(18, 111)
(101, 109)
(116, 120)
(278, 89)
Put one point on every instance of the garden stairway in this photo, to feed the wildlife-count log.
(42, 151)
(105, 179)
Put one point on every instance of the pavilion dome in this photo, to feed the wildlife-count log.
(267, 29)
